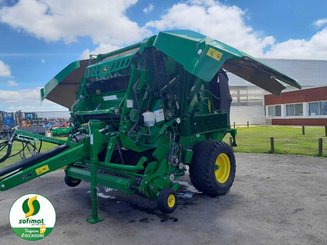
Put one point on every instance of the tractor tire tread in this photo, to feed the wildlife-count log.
(201, 169)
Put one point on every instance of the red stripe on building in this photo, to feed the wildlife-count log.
(298, 96)
(300, 121)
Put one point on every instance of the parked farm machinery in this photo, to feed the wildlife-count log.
(142, 115)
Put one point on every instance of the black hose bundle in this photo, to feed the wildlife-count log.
(28, 144)
(32, 160)
(8, 144)
(3, 145)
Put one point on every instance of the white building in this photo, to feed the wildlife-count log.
(248, 104)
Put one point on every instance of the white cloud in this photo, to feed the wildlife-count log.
(53, 20)
(4, 69)
(101, 49)
(109, 27)
(149, 8)
(321, 22)
(12, 83)
(313, 48)
(26, 100)
(225, 23)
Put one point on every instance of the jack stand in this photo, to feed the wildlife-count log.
(94, 218)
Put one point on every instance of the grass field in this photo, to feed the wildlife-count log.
(288, 140)
(17, 147)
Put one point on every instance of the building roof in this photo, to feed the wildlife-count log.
(309, 73)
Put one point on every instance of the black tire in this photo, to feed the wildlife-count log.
(167, 201)
(204, 171)
(72, 182)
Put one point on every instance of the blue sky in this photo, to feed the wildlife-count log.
(40, 37)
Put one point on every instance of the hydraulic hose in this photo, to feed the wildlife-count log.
(7, 143)
(32, 160)
(8, 152)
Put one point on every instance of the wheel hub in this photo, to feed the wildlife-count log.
(222, 168)
(171, 201)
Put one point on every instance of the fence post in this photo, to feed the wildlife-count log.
(320, 147)
(247, 123)
(272, 145)
(303, 130)
(326, 131)
(231, 142)
(234, 124)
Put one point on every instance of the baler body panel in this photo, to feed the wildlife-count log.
(198, 54)
(203, 57)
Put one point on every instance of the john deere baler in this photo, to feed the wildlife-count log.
(144, 114)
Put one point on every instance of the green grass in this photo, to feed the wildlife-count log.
(17, 147)
(288, 140)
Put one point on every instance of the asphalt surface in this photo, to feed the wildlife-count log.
(275, 199)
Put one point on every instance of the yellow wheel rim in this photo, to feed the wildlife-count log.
(222, 168)
(171, 201)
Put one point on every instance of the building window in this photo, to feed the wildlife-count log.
(246, 96)
(318, 108)
(274, 111)
(294, 110)
(314, 109)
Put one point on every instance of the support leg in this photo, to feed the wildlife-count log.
(94, 218)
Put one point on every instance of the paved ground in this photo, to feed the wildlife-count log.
(275, 199)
